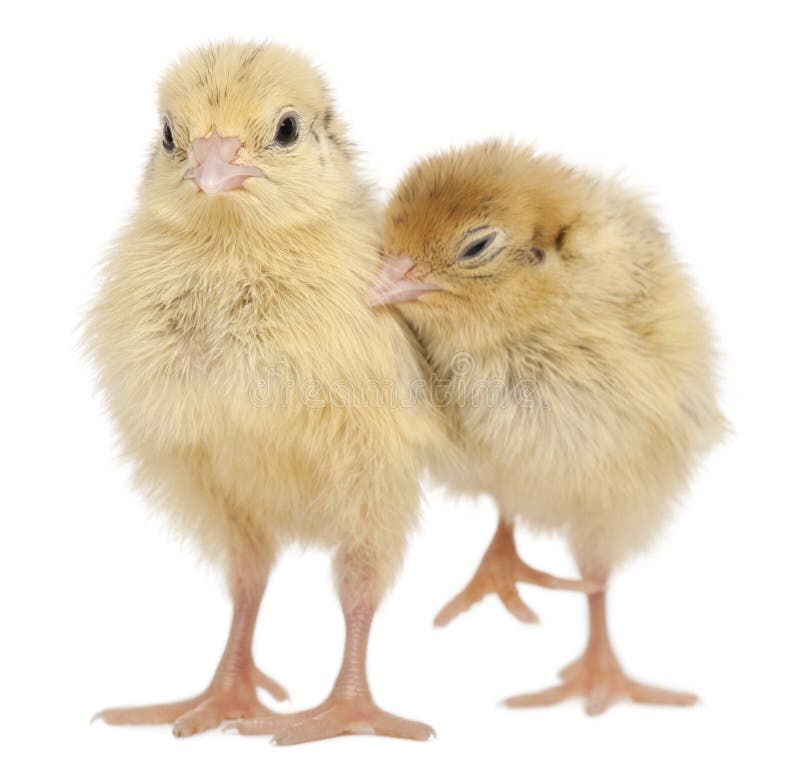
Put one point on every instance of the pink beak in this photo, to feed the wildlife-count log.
(215, 171)
(391, 285)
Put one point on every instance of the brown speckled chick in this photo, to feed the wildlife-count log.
(577, 364)
(244, 370)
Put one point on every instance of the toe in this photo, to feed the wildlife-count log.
(157, 714)
(333, 723)
(397, 727)
(646, 694)
(461, 603)
(598, 699)
(329, 720)
(203, 717)
(547, 697)
(274, 688)
(511, 599)
(315, 729)
(257, 726)
(572, 669)
(272, 723)
(525, 573)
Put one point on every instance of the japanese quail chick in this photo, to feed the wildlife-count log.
(240, 363)
(577, 362)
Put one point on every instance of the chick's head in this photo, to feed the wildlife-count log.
(245, 130)
(477, 233)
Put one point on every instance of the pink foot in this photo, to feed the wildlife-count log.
(499, 571)
(598, 677)
(219, 702)
(336, 716)
(349, 710)
(602, 683)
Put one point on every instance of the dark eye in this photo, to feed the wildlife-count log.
(287, 130)
(167, 140)
(474, 249)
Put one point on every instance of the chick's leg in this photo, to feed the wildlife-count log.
(598, 677)
(232, 692)
(499, 571)
(349, 709)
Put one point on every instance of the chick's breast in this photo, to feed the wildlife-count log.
(249, 395)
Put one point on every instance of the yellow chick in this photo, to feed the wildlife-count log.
(246, 374)
(573, 361)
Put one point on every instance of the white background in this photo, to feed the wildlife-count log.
(694, 102)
